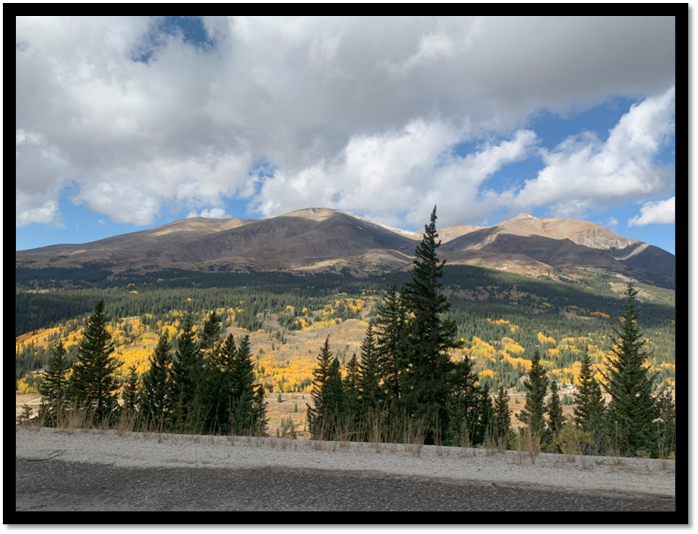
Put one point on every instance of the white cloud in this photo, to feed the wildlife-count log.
(313, 97)
(584, 171)
(612, 222)
(212, 213)
(661, 212)
(382, 175)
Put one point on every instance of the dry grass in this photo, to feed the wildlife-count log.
(527, 443)
(278, 411)
(31, 399)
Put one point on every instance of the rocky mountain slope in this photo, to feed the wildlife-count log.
(318, 239)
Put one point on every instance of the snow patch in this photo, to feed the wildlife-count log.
(406, 233)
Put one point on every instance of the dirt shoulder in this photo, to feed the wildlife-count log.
(573, 473)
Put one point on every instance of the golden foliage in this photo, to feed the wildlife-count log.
(543, 339)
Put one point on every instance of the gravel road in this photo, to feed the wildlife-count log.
(104, 471)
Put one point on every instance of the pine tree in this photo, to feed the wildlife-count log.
(465, 404)
(217, 391)
(214, 392)
(325, 415)
(555, 417)
(426, 383)
(93, 383)
(131, 393)
(589, 409)
(501, 419)
(248, 412)
(187, 371)
(369, 384)
(536, 385)
(389, 327)
(666, 424)
(156, 394)
(211, 332)
(259, 412)
(486, 415)
(631, 411)
(351, 394)
(53, 387)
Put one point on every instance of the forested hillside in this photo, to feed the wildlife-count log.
(501, 317)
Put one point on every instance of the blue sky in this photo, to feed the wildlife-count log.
(126, 123)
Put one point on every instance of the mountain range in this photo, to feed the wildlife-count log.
(322, 239)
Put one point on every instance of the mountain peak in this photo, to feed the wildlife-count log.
(524, 216)
(316, 214)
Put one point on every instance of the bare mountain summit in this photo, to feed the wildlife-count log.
(318, 239)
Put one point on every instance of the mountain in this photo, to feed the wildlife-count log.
(534, 246)
(318, 239)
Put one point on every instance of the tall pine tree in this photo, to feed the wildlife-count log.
(631, 411)
(93, 384)
(428, 370)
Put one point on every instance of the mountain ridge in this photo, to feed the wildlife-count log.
(319, 239)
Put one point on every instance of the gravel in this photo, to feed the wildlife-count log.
(134, 450)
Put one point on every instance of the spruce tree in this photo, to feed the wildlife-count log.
(351, 394)
(631, 411)
(389, 326)
(370, 387)
(324, 417)
(93, 383)
(131, 393)
(335, 409)
(187, 371)
(536, 385)
(218, 392)
(428, 369)
(53, 387)
(464, 404)
(555, 418)
(589, 409)
(259, 412)
(213, 390)
(666, 424)
(486, 409)
(501, 419)
(156, 394)
(247, 414)
(211, 332)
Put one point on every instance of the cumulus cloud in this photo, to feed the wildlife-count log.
(136, 119)
(584, 171)
(397, 177)
(661, 212)
(212, 213)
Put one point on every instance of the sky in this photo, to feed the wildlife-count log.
(127, 123)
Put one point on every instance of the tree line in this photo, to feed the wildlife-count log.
(204, 385)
